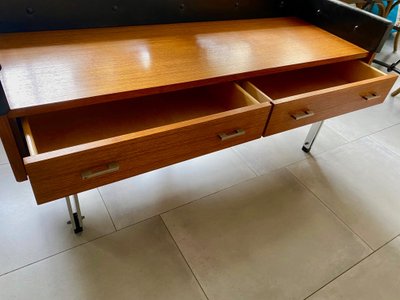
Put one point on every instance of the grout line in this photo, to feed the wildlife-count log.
(216, 192)
(184, 258)
(190, 202)
(105, 205)
(377, 142)
(308, 155)
(76, 246)
(337, 132)
(237, 153)
(353, 266)
(168, 210)
(55, 254)
(187, 203)
(332, 211)
(375, 132)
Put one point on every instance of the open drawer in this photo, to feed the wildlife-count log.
(309, 95)
(82, 148)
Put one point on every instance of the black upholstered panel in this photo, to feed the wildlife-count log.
(30, 15)
(357, 26)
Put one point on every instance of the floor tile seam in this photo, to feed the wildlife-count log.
(372, 133)
(352, 267)
(212, 194)
(333, 212)
(237, 153)
(108, 212)
(310, 156)
(376, 141)
(383, 129)
(55, 254)
(184, 258)
(337, 132)
(187, 203)
(363, 136)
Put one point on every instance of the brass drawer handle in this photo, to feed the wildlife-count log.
(236, 133)
(370, 96)
(303, 115)
(111, 167)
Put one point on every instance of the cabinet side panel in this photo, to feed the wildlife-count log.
(12, 150)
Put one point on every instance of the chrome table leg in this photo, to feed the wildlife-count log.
(75, 217)
(311, 136)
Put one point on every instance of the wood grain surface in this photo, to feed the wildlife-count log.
(327, 103)
(325, 91)
(81, 125)
(58, 173)
(46, 71)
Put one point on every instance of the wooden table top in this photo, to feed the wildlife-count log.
(44, 71)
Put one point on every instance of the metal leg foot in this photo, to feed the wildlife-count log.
(311, 136)
(75, 217)
(396, 92)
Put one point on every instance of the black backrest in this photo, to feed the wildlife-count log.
(350, 23)
(29, 15)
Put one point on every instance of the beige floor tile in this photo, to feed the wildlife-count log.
(29, 232)
(141, 262)
(375, 278)
(150, 194)
(390, 138)
(277, 151)
(3, 156)
(360, 183)
(267, 238)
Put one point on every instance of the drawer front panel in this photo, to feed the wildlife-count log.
(72, 170)
(313, 107)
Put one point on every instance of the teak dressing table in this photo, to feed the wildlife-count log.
(93, 106)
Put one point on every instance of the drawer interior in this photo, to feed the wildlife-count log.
(56, 130)
(291, 83)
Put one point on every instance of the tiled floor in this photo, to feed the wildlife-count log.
(260, 221)
(138, 198)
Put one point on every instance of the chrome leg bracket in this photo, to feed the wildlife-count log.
(75, 217)
(311, 136)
